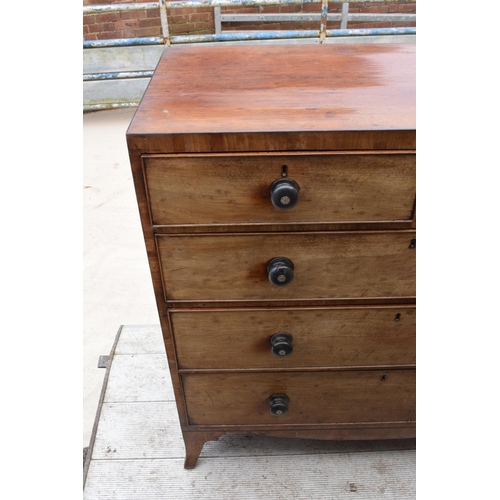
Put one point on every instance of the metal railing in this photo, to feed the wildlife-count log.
(343, 17)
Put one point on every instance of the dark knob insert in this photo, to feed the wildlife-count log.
(284, 193)
(278, 404)
(280, 271)
(281, 344)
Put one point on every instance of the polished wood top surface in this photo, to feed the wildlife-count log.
(199, 89)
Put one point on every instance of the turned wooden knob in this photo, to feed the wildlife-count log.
(280, 271)
(278, 404)
(284, 193)
(281, 344)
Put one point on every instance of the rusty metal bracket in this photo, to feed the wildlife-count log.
(103, 362)
(324, 14)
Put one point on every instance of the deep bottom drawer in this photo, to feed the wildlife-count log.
(313, 397)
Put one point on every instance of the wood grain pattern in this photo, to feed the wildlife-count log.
(331, 337)
(353, 433)
(327, 265)
(286, 227)
(235, 189)
(233, 89)
(376, 140)
(315, 397)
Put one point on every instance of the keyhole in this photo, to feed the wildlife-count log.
(398, 317)
(383, 378)
(284, 170)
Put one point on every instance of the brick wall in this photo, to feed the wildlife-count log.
(184, 21)
(189, 21)
(133, 24)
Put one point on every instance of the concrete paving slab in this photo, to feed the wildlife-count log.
(117, 286)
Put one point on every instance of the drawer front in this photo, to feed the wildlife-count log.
(314, 397)
(326, 265)
(236, 189)
(317, 337)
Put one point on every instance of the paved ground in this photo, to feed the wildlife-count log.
(138, 453)
(117, 285)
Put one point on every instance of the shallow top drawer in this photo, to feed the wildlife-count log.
(228, 188)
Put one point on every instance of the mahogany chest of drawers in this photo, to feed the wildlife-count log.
(276, 190)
